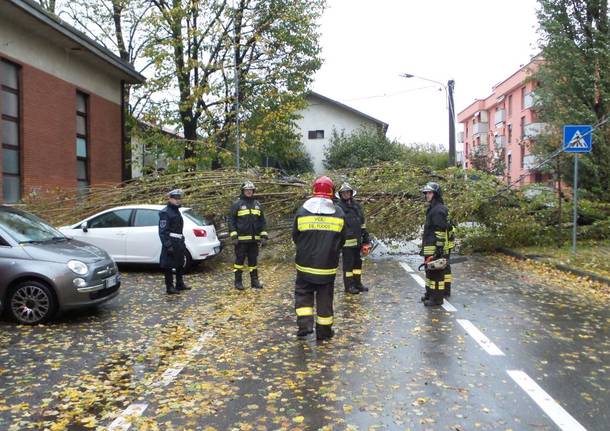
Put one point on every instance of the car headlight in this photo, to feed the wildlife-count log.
(78, 267)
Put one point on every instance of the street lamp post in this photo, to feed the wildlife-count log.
(450, 106)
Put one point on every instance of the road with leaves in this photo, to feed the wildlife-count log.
(217, 359)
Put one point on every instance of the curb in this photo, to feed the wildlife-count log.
(559, 266)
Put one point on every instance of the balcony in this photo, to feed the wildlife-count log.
(531, 100)
(480, 128)
(530, 161)
(460, 137)
(500, 141)
(532, 130)
(500, 116)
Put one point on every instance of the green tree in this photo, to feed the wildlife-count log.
(574, 80)
(363, 147)
(367, 147)
(198, 47)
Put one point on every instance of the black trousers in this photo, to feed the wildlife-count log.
(436, 282)
(352, 266)
(169, 277)
(305, 296)
(245, 250)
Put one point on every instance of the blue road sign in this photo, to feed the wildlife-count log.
(577, 138)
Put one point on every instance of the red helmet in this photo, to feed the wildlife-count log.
(323, 187)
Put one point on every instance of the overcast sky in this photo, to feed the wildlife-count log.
(366, 44)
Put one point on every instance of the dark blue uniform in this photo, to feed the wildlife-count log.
(173, 247)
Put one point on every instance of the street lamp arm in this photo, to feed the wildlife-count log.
(409, 75)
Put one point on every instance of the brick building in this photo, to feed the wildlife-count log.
(497, 132)
(61, 105)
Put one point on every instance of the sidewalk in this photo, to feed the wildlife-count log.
(591, 259)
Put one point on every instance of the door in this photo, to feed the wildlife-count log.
(109, 232)
(143, 243)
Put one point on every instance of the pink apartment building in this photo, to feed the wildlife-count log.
(498, 130)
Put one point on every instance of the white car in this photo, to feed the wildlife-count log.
(130, 234)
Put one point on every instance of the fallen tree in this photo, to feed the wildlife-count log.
(489, 214)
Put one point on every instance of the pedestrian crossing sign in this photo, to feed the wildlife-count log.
(577, 138)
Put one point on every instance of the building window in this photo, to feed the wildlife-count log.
(522, 148)
(522, 98)
(522, 125)
(466, 134)
(82, 142)
(509, 166)
(510, 133)
(510, 105)
(316, 134)
(9, 104)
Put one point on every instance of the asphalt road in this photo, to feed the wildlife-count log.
(505, 354)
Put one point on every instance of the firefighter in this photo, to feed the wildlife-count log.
(247, 230)
(357, 237)
(172, 243)
(319, 234)
(436, 244)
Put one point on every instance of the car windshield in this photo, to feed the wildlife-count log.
(195, 217)
(24, 227)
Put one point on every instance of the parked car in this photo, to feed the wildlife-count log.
(43, 271)
(130, 234)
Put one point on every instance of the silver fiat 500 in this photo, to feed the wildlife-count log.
(42, 271)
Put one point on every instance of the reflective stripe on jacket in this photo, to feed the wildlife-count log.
(355, 227)
(318, 239)
(247, 220)
(435, 229)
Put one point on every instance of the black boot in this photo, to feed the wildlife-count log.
(350, 287)
(169, 283)
(436, 299)
(180, 284)
(426, 295)
(359, 285)
(171, 290)
(254, 282)
(239, 285)
(304, 332)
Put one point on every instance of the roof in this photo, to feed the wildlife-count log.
(384, 126)
(47, 19)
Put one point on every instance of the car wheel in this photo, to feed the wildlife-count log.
(188, 262)
(31, 302)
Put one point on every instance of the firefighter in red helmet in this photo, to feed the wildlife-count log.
(319, 235)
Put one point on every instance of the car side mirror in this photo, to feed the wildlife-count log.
(84, 227)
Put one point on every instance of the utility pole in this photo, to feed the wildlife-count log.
(450, 86)
(236, 72)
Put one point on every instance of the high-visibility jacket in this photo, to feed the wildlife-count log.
(438, 231)
(247, 220)
(319, 238)
(355, 226)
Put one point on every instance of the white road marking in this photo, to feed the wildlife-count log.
(123, 422)
(446, 305)
(406, 266)
(553, 410)
(480, 338)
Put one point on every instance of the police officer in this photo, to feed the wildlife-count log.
(172, 242)
(357, 236)
(436, 244)
(247, 230)
(319, 234)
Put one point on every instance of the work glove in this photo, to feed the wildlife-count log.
(365, 249)
(440, 252)
(263, 242)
